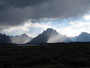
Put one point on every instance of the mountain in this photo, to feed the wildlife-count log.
(4, 39)
(83, 37)
(22, 39)
(73, 38)
(49, 36)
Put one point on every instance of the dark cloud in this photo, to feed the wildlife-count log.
(62, 8)
(20, 3)
(13, 12)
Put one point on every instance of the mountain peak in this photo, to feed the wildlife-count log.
(83, 37)
(83, 33)
(22, 39)
(23, 35)
(49, 36)
(50, 31)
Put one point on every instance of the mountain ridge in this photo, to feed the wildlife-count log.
(83, 37)
(22, 39)
(49, 36)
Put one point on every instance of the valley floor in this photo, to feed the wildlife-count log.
(65, 55)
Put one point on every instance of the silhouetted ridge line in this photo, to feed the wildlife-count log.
(4, 39)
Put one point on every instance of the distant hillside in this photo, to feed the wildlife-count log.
(83, 37)
(22, 39)
(49, 36)
(4, 39)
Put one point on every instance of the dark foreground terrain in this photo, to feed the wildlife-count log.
(64, 55)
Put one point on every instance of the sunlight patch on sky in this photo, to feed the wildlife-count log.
(87, 17)
(76, 28)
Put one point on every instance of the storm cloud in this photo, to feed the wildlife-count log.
(14, 12)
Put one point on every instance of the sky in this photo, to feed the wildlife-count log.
(68, 17)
